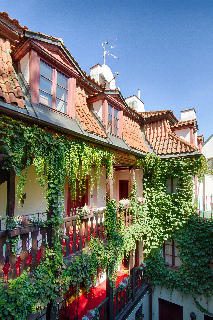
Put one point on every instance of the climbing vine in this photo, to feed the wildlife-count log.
(194, 241)
(157, 215)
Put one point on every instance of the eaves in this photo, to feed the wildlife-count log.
(47, 117)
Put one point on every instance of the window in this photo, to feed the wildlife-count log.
(45, 86)
(113, 120)
(172, 185)
(53, 88)
(80, 200)
(123, 189)
(210, 163)
(139, 313)
(61, 93)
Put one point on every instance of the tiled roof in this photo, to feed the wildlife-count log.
(200, 137)
(84, 116)
(153, 114)
(15, 22)
(10, 90)
(132, 134)
(164, 141)
(185, 123)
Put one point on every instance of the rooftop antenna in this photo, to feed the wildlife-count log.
(107, 52)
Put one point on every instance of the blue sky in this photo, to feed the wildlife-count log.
(165, 47)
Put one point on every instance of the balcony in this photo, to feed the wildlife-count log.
(22, 243)
(114, 306)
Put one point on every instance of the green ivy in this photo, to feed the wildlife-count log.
(55, 158)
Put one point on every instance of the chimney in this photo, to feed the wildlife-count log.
(139, 94)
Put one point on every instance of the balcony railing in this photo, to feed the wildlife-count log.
(23, 247)
(125, 296)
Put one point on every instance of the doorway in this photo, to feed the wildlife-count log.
(169, 310)
(123, 189)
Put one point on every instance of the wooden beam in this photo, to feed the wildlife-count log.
(132, 272)
(10, 193)
(109, 295)
(131, 178)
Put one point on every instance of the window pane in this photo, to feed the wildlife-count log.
(45, 85)
(109, 109)
(45, 99)
(115, 113)
(115, 131)
(45, 70)
(109, 128)
(61, 106)
(62, 80)
(61, 93)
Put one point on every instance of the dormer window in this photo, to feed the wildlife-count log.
(113, 120)
(53, 88)
(61, 93)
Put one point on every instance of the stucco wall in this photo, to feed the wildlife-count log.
(25, 66)
(35, 195)
(208, 149)
(184, 134)
(182, 300)
(145, 308)
(98, 108)
(205, 196)
(97, 197)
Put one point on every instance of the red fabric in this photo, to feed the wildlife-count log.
(6, 268)
(29, 259)
(91, 300)
(39, 255)
(18, 264)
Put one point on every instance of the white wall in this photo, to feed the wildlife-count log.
(25, 66)
(184, 300)
(200, 195)
(103, 75)
(97, 106)
(35, 195)
(97, 197)
(208, 192)
(139, 177)
(205, 197)
(145, 308)
(207, 149)
(184, 134)
(135, 103)
(189, 114)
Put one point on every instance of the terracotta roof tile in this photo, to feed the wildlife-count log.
(15, 22)
(200, 137)
(153, 114)
(186, 123)
(164, 141)
(132, 134)
(84, 116)
(10, 90)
